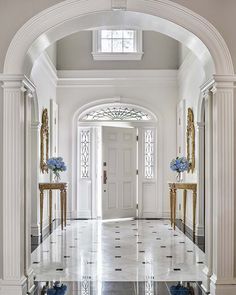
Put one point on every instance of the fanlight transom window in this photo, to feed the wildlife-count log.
(116, 113)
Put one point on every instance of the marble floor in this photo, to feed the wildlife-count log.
(118, 251)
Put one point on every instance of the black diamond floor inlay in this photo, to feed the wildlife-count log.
(59, 269)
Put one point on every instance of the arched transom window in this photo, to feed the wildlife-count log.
(117, 112)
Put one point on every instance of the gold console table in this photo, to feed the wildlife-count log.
(174, 186)
(62, 186)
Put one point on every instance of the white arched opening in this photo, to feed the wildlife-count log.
(93, 118)
(163, 16)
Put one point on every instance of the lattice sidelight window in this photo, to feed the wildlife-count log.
(149, 150)
(85, 153)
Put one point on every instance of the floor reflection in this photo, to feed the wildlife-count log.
(118, 251)
(88, 287)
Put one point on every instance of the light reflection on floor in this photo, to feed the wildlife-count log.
(118, 251)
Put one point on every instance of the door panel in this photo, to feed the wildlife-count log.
(127, 195)
(119, 166)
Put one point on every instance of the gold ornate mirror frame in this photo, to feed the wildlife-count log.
(191, 140)
(44, 144)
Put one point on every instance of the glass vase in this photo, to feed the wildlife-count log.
(56, 177)
(179, 177)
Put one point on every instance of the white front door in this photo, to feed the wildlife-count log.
(119, 172)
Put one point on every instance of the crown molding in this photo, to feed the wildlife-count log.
(117, 78)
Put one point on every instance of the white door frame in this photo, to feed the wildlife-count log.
(143, 183)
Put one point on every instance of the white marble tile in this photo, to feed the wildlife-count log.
(89, 248)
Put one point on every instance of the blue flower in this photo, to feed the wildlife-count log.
(56, 164)
(179, 164)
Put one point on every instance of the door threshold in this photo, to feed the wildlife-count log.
(118, 219)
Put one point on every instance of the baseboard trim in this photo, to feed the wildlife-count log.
(199, 240)
(37, 240)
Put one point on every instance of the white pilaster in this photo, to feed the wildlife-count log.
(14, 280)
(35, 214)
(201, 178)
(223, 107)
(208, 191)
(28, 183)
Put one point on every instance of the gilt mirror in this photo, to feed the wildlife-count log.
(44, 145)
(191, 140)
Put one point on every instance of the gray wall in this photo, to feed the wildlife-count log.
(74, 53)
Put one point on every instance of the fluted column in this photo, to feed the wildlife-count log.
(223, 110)
(35, 212)
(14, 280)
(201, 176)
(208, 191)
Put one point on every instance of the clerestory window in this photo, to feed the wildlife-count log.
(117, 45)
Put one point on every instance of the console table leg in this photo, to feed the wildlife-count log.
(194, 213)
(171, 207)
(184, 204)
(62, 203)
(174, 205)
(65, 206)
(41, 214)
(50, 210)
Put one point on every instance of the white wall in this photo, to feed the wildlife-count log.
(43, 75)
(190, 77)
(74, 53)
(159, 94)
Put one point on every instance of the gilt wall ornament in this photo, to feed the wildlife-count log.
(44, 142)
(191, 140)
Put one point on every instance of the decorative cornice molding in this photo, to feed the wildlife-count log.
(116, 77)
(10, 78)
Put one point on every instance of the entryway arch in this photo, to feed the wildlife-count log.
(70, 16)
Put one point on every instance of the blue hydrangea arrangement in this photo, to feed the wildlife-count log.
(179, 164)
(57, 165)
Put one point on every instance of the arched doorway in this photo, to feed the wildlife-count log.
(26, 45)
(98, 127)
